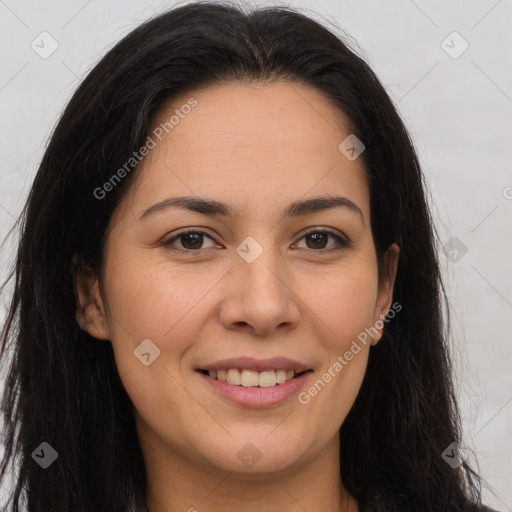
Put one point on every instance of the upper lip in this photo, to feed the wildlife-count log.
(257, 365)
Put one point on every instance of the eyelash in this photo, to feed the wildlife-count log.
(343, 243)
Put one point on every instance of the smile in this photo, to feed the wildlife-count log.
(254, 389)
(251, 378)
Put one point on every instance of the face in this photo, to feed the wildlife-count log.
(263, 282)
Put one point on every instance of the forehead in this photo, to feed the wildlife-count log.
(280, 116)
(252, 144)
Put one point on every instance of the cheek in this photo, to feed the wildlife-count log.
(167, 307)
(156, 302)
(345, 303)
(343, 308)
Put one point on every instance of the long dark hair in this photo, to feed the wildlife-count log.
(62, 386)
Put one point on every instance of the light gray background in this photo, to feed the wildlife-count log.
(458, 111)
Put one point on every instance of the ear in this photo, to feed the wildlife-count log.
(385, 290)
(90, 310)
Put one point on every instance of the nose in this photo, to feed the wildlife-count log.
(261, 299)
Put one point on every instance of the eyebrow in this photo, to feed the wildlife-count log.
(212, 207)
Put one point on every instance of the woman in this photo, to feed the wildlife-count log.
(226, 292)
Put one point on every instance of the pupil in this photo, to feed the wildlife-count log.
(316, 237)
(196, 236)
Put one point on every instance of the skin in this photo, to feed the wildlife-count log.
(256, 147)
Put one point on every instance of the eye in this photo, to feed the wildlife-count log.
(319, 239)
(191, 240)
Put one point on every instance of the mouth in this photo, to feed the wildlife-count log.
(252, 379)
(253, 389)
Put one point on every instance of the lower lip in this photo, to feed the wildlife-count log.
(256, 396)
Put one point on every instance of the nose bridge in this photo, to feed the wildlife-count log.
(260, 265)
(265, 299)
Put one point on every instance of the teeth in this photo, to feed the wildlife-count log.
(281, 376)
(267, 379)
(251, 378)
(234, 377)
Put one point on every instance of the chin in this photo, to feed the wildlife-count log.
(256, 457)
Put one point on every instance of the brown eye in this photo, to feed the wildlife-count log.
(317, 241)
(190, 240)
